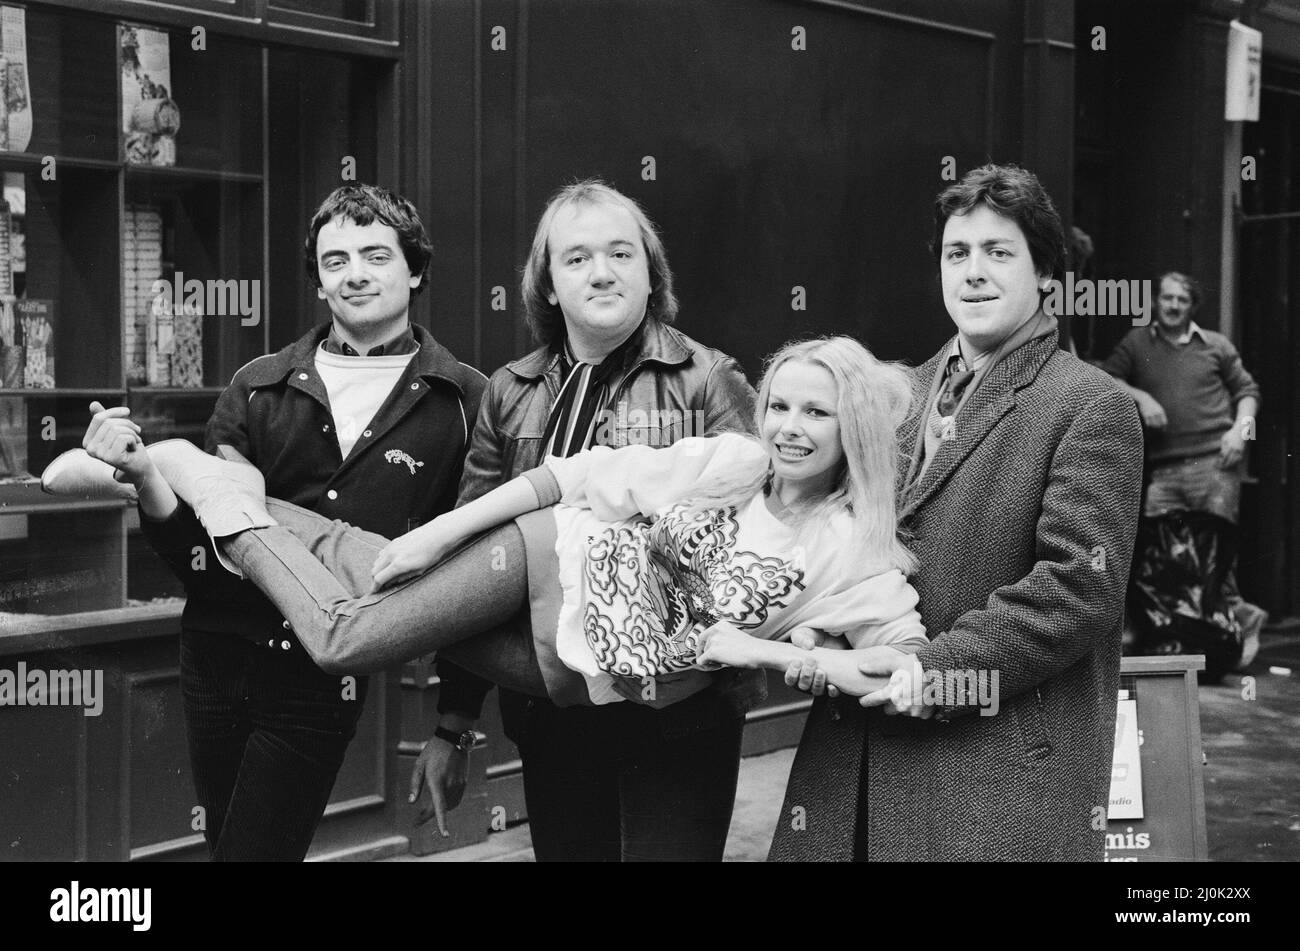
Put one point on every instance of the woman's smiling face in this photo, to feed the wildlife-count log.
(801, 429)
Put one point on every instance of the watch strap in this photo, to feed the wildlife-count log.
(452, 737)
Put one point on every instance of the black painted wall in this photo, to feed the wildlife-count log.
(774, 167)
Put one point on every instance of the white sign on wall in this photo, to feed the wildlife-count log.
(1245, 48)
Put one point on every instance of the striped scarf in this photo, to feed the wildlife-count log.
(571, 426)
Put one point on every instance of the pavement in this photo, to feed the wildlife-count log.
(1250, 732)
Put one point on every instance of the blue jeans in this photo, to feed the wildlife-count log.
(267, 734)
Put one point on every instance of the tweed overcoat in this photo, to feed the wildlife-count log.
(1024, 524)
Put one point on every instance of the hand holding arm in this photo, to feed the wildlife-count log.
(725, 644)
(803, 672)
(903, 693)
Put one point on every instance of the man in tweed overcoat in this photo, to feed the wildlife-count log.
(1021, 497)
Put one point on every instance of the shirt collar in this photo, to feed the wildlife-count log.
(403, 343)
(1039, 325)
(967, 364)
(1191, 331)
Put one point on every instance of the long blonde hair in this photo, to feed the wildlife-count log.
(873, 397)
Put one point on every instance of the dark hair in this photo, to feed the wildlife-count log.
(1016, 194)
(364, 205)
(545, 319)
(1192, 285)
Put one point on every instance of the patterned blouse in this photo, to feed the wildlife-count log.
(643, 575)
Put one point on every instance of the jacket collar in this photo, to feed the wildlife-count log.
(401, 345)
(995, 398)
(659, 343)
(433, 361)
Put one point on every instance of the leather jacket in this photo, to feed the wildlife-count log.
(671, 386)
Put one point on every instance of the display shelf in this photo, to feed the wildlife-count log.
(376, 37)
(210, 233)
(97, 237)
(60, 556)
(31, 161)
(27, 498)
(72, 67)
(176, 390)
(28, 634)
(190, 173)
(268, 106)
(61, 392)
(71, 250)
(351, 13)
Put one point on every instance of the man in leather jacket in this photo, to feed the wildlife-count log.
(654, 778)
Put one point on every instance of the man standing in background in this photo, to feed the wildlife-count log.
(1199, 406)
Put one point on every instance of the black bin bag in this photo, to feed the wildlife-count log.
(1176, 600)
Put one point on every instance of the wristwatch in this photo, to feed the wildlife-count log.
(463, 741)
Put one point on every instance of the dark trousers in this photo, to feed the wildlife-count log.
(267, 733)
(606, 784)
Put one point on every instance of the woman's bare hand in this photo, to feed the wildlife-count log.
(113, 437)
(413, 553)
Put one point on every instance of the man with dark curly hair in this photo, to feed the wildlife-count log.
(1021, 499)
(366, 419)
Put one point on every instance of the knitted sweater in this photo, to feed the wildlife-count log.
(1199, 383)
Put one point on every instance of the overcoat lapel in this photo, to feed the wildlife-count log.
(994, 399)
(909, 434)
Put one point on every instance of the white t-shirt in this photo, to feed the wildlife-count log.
(357, 387)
